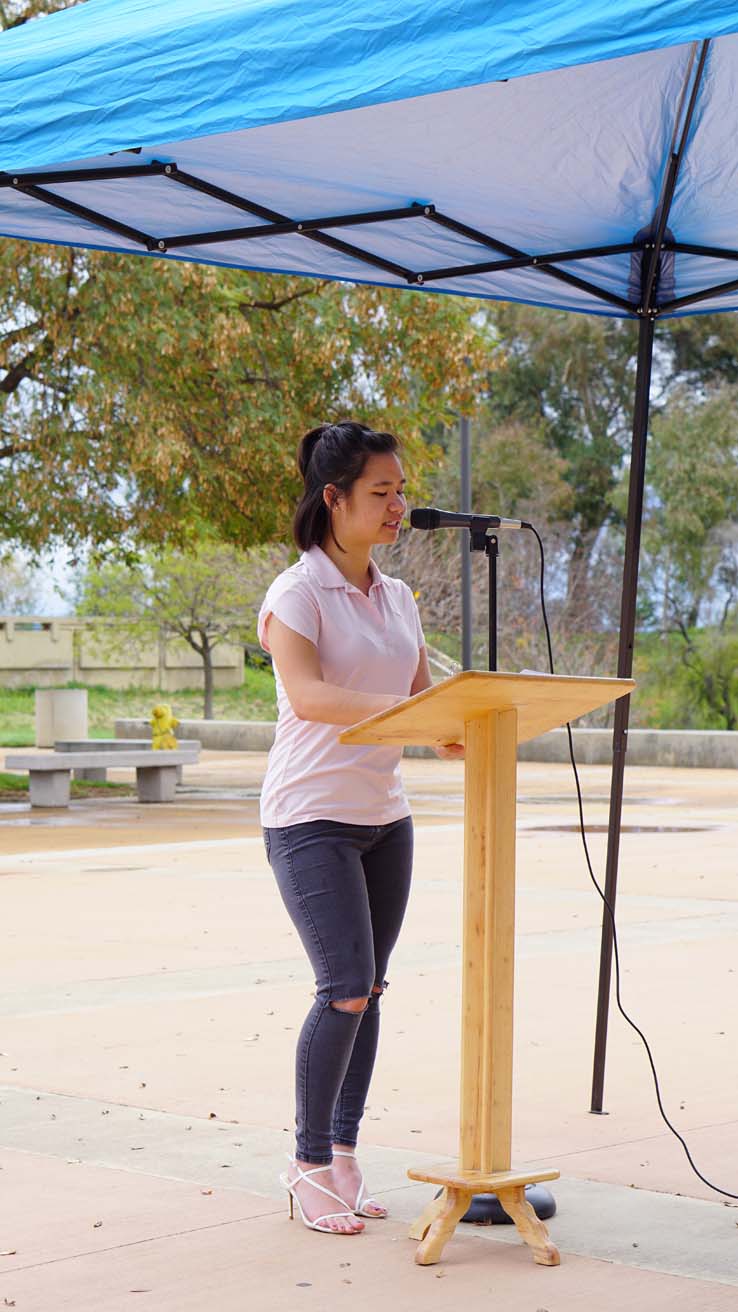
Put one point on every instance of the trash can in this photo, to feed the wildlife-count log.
(60, 713)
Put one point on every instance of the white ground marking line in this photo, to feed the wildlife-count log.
(70, 854)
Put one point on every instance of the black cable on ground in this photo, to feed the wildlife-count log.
(610, 911)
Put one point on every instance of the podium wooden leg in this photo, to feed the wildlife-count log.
(529, 1226)
(488, 952)
(437, 1223)
(453, 1204)
(439, 1220)
(421, 1226)
(488, 948)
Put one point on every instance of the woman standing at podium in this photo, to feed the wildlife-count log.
(347, 643)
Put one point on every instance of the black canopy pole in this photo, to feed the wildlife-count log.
(625, 670)
(648, 309)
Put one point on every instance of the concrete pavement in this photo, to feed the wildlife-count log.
(153, 986)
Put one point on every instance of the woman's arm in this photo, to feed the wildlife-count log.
(423, 680)
(311, 698)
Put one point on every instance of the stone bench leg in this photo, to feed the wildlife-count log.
(49, 787)
(156, 783)
(94, 775)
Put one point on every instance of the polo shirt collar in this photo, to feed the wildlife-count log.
(329, 575)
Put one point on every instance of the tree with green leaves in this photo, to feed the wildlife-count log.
(205, 598)
(140, 395)
(569, 380)
(690, 549)
(691, 522)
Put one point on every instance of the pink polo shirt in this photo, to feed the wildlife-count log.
(369, 644)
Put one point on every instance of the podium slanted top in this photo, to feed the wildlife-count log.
(438, 715)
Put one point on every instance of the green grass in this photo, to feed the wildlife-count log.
(13, 783)
(254, 700)
(16, 785)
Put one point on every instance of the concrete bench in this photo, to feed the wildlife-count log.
(49, 775)
(100, 774)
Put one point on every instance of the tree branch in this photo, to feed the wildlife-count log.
(246, 307)
(258, 378)
(19, 333)
(23, 369)
(14, 377)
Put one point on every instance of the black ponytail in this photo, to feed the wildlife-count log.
(332, 453)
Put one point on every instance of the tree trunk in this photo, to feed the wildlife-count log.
(577, 604)
(207, 664)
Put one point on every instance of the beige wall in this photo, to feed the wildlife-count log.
(47, 652)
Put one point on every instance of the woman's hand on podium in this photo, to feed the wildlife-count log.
(450, 751)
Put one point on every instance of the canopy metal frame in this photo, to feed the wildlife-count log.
(36, 185)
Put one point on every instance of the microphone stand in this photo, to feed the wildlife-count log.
(480, 540)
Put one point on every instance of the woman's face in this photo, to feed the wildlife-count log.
(373, 510)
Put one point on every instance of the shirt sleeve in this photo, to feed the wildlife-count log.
(292, 603)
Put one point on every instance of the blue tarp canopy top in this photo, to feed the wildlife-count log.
(517, 150)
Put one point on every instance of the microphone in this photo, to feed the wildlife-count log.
(429, 517)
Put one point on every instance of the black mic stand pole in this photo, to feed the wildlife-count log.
(480, 540)
(493, 550)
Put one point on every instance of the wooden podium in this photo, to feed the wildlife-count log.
(491, 714)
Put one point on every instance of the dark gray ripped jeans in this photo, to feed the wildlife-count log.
(346, 889)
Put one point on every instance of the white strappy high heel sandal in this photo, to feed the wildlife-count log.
(289, 1185)
(362, 1199)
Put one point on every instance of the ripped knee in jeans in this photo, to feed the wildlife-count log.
(354, 1005)
(360, 1004)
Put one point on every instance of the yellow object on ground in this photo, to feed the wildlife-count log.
(163, 724)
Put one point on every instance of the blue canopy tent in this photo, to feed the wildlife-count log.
(577, 155)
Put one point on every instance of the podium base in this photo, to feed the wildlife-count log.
(486, 1209)
(459, 1188)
